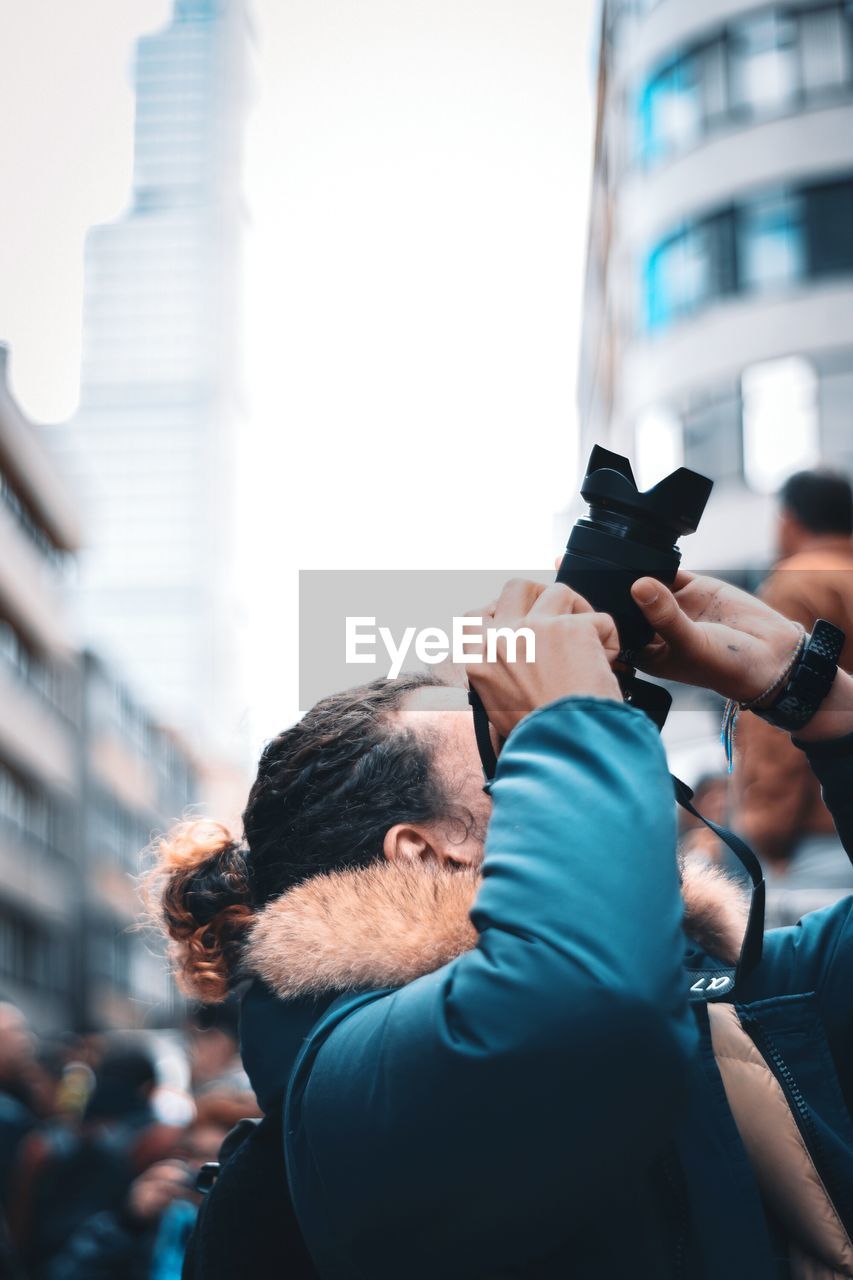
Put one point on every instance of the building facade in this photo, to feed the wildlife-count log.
(136, 779)
(40, 710)
(87, 777)
(719, 293)
(151, 450)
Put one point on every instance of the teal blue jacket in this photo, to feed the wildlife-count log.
(548, 1104)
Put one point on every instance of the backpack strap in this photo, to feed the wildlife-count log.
(234, 1138)
(784, 1168)
(246, 1223)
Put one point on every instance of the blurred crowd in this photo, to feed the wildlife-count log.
(98, 1159)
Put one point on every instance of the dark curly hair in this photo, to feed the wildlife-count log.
(327, 791)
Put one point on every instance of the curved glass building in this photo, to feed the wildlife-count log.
(719, 296)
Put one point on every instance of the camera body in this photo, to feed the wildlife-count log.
(630, 534)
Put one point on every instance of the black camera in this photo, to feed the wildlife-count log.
(627, 535)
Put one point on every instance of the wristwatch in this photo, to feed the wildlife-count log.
(810, 681)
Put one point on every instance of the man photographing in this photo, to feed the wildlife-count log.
(468, 1018)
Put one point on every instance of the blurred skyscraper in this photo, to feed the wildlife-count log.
(151, 450)
(719, 294)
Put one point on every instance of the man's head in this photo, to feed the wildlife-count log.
(388, 770)
(393, 756)
(813, 505)
(125, 1081)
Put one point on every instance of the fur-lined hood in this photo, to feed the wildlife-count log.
(387, 924)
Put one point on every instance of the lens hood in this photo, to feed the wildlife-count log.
(674, 504)
(627, 535)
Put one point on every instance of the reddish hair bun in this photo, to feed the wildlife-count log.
(199, 892)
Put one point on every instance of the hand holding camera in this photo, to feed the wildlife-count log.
(620, 601)
(575, 649)
(711, 634)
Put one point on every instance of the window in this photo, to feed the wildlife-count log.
(28, 523)
(670, 110)
(712, 433)
(770, 242)
(825, 50)
(676, 278)
(780, 421)
(713, 81)
(689, 270)
(30, 954)
(759, 67)
(771, 247)
(27, 811)
(764, 63)
(829, 222)
(49, 680)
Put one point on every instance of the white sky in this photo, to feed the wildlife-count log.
(417, 177)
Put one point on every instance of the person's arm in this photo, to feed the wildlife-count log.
(501, 1098)
(828, 743)
(713, 635)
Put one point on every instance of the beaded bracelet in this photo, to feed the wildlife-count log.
(734, 707)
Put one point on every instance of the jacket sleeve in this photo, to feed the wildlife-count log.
(816, 955)
(832, 764)
(492, 1102)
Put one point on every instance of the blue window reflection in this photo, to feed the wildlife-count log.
(771, 246)
(689, 269)
(769, 242)
(754, 67)
(670, 111)
(676, 278)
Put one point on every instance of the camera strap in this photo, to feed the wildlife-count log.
(482, 732)
(753, 938)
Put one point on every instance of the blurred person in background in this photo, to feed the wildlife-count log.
(70, 1175)
(778, 801)
(214, 1052)
(17, 1118)
(145, 1236)
(46, 1079)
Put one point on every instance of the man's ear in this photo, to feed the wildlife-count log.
(405, 843)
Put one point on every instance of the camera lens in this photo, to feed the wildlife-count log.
(629, 534)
